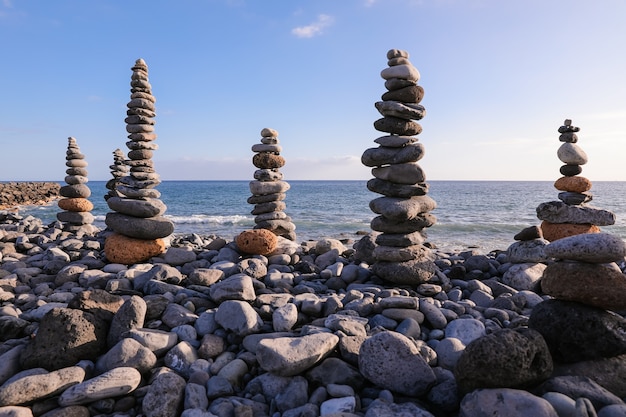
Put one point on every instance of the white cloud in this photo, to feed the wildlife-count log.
(315, 28)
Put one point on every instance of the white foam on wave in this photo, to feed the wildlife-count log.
(208, 219)
(201, 219)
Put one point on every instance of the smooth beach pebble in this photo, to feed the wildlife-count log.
(589, 247)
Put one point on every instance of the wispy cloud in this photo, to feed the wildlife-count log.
(315, 28)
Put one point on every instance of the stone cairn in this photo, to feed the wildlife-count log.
(77, 208)
(571, 215)
(137, 217)
(399, 254)
(268, 188)
(119, 169)
(570, 260)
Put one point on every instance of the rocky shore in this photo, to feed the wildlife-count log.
(13, 194)
(205, 330)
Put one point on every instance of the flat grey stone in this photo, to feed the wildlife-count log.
(39, 386)
(588, 247)
(268, 187)
(401, 110)
(391, 189)
(402, 209)
(148, 228)
(407, 173)
(395, 141)
(149, 207)
(114, 383)
(288, 356)
(559, 212)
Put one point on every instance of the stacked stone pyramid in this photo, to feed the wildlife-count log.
(77, 208)
(119, 169)
(137, 217)
(571, 215)
(404, 210)
(268, 187)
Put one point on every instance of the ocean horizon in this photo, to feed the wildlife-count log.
(471, 214)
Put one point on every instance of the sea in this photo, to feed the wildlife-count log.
(478, 215)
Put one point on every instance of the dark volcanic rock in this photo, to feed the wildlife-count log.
(65, 337)
(575, 332)
(506, 358)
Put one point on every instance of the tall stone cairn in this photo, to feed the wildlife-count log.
(77, 208)
(571, 215)
(268, 187)
(137, 217)
(404, 210)
(119, 169)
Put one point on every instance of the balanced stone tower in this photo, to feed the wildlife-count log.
(404, 209)
(268, 188)
(119, 169)
(77, 216)
(137, 217)
(571, 215)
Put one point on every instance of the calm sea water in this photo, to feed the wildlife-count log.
(470, 214)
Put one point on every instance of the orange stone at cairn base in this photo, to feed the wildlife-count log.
(75, 204)
(257, 241)
(126, 250)
(556, 231)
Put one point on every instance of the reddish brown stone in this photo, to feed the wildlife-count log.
(555, 231)
(597, 285)
(127, 250)
(75, 204)
(264, 160)
(574, 184)
(257, 241)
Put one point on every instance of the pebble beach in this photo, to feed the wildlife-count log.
(137, 320)
(205, 330)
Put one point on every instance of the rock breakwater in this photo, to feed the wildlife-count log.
(205, 330)
(13, 194)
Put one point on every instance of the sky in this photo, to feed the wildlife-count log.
(500, 77)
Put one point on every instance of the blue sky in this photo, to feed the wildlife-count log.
(500, 77)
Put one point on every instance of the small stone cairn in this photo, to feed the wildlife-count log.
(399, 254)
(119, 169)
(575, 266)
(137, 217)
(568, 217)
(268, 188)
(571, 215)
(77, 208)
